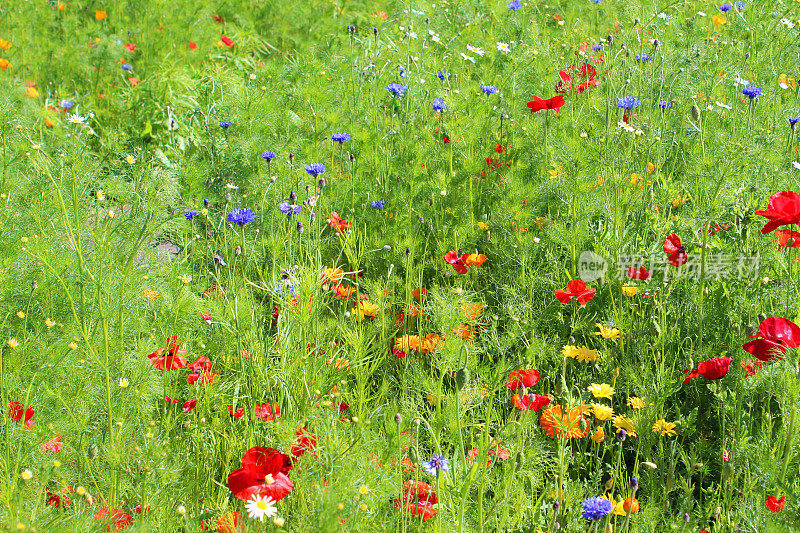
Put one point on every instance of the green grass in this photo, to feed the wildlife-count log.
(101, 266)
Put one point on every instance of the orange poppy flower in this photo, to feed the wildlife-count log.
(100, 14)
(431, 343)
(332, 275)
(4, 64)
(342, 292)
(475, 259)
(465, 332)
(407, 342)
(565, 422)
(412, 310)
(419, 294)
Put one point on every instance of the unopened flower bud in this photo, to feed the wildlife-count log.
(299, 227)
(387, 248)
(398, 418)
(322, 182)
(313, 216)
(352, 157)
(34, 284)
(408, 250)
(227, 197)
(621, 435)
(292, 196)
(237, 250)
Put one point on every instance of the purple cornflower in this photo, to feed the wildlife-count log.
(725, 7)
(269, 155)
(241, 216)
(225, 124)
(751, 91)
(290, 209)
(442, 75)
(190, 214)
(378, 204)
(315, 169)
(340, 137)
(439, 105)
(489, 89)
(628, 102)
(438, 463)
(643, 57)
(396, 89)
(595, 508)
(664, 104)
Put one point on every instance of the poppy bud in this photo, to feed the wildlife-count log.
(398, 418)
(556, 526)
(747, 55)
(610, 39)
(718, 510)
(761, 318)
(430, 227)
(237, 250)
(556, 505)
(308, 188)
(695, 112)
(228, 197)
(34, 284)
(322, 182)
(313, 216)
(387, 248)
(686, 517)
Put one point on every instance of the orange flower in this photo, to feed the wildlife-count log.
(49, 123)
(342, 292)
(338, 224)
(473, 310)
(5, 45)
(332, 275)
(465, 332)
(407, 342)
(150, 294)
(134, 81)
(100, 14)
(31, 92)
(4, 64)
(419, 294)
(412, 310)
(565, 422)
(475, 259)
(431, 343)
(62, 6)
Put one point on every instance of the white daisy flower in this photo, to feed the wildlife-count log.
(260, 507)
(76, 119)
(720, 104)
(475, 50)
(503, 47)
(467, 58)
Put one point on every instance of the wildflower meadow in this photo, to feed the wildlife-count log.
(401, 265)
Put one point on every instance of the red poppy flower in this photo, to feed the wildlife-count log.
(577, 79)
(188, 405)
(458, 262)
(537, 104)
(173, 360)
(714, 368)
(751, 367)
(524, 378)
(676, 252)
(218, 19)
(116, 517)
(638, 273)
(239, 412)
(530, 402)
(576, 288)
(54, 445)
(690, 375)
(193, 45)
(201, 379)
(226, 41)
(778, 334)
(340, 225)
(16, 411)
(775, 505)
(783, 210)
(268, 411)
(306, 441)
(263, 473)
(59, 500)
(782, 237)
(201, 364)
(417, 499)
(130, 47)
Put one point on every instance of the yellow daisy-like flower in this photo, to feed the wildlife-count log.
(585, 355)
(603, 390)
(130, 160)
(12, 343)
(664, 428)
(608, 332)
(719, 20)
(49, 323)
(630, 291)
(31, 92)
(570, 351)
(679, 201)
(637, 403)
(20, 314)
(150, 294)
(602, 412)
(616, 506)
(623, 422)
(483, 225)
(365, 309)
(5, 45)
(599, 434)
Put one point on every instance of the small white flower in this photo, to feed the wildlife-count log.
(788, 23)
(783, 85)
(260, 507)
(467, 58)
(663, 16)
(720, 104)
(740, 81)
(503, 47)
(26, 474)
(76, 119)
(701, 13)
(626, 127)
(796, 164)
(475, 50)
(231, 186)
(411, 34)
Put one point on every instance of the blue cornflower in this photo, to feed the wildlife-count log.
(438, 463)
(402, 73)
(442, 75)
(664, 104)
(225, 124)
(751, 91)
(378, 204)
(190, 214)
(643, 57)
(340, 137)
(241, 216)
(282, 286)
(315, 169)
(513, 6)
(66, 104)
(489, 89)
(290, 209)
(269, 155)
(597, 1)
(740, 5)
(396, 89)
(596, 508)
(725, 7)
(597, 47)
(628, 102)
(793, 121)
(127, 67)
(439, 105)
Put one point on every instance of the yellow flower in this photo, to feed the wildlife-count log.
(365, 309)
(540, 222)
(637, 403)
(599, 434)
(785, 82)
(603, 390)
(49, 323)
(26, 474)
(664, 428)
(123, 383)
(130, 160)
(20, 314)
(56, 463)
(602, 412)
(5, 45)
(4, 64)
(582, 353)
(150, 294)
(72, 346)
(651, 167)
(616, 507)
(483, 225)
(12, 343)
(31, 92)
(204, 211)
(679, 200)
(718, 19)
(570, 351)
(608, 332)
(623, 422)
(80, 490)
(630, 291)
(363, 489)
